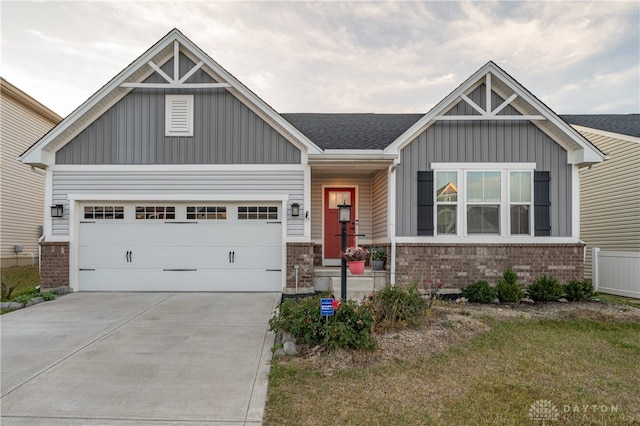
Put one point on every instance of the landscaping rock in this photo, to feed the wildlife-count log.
(288, 337)
(12, 305)
(34, 301)
(563, 300)
(290, 348)
(496, 301)
(528, 300)
(279, 352)
(462, 300)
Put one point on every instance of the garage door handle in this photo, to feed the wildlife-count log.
(274, 270)
(232, 257)
(128, 256)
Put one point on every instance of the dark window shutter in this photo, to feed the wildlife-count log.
(425, 203)
(542, 203)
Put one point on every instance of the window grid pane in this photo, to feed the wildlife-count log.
(520, 187)
(257, 212)
(155, 212)
(483, 219)
(520, 220)
(206, 213)
(446, 187)
(104, 212)
(447, 220)
(483, 187)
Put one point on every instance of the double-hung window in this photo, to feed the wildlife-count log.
(483, 199)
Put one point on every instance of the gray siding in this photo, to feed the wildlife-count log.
(486, 141)
(214, 183)
(133, 131)
(609, 198)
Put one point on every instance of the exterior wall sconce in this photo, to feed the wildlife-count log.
(344, 213)
(295, 209)
(57, 210)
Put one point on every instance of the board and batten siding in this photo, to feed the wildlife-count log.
(214, 183)
(363, 195)
(610, 198)
(132, 131)
(23, 121)
(486, 142)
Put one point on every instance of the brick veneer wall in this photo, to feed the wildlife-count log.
(300, 254)
(458, 265)
(317, 253)
(54, 265)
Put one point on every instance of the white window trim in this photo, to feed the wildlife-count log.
(461, 217)
(185, 128)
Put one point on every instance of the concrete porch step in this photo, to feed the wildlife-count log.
(358, 286)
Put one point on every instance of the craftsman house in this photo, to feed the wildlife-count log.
(175, 176)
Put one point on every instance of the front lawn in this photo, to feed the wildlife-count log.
(18, 281)
(567, 361)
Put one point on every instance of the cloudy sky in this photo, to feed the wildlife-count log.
(577, 57)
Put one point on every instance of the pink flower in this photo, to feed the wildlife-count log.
(440, 285)
(335, 304)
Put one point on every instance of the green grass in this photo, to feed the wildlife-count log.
(491, 379)
(618, 300)
(24, 278)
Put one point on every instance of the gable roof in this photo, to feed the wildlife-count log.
(352, 131)
(579, 149)
(41, 153)
(623, 124)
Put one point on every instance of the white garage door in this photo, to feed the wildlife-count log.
(180, 247)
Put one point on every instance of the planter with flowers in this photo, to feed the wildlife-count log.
(378, 258)
(355, 257)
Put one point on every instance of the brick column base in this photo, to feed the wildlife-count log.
(458, 265)
(300, 255)
(54, 265)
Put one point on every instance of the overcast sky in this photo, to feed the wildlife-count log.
(577, 57)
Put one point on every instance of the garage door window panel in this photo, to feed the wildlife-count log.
(104, 212)
(155, 212)
(257, 213)
(206, 213)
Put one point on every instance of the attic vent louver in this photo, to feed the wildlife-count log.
(179, 115)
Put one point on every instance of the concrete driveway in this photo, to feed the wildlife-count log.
(138, 358)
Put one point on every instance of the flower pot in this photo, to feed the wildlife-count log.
(356, 267)
(378, 265)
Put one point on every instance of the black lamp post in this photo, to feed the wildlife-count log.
(344, 217)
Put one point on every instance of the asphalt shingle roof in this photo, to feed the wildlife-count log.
(624, 124)
(352, 131)
(377, 131)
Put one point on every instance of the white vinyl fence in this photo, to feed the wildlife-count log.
(616, 272)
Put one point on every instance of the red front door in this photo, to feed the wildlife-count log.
(333, 197)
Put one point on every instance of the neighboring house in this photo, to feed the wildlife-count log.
(610, 191)
(23, 120)
(175, 176)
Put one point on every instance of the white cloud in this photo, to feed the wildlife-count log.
(338, 56)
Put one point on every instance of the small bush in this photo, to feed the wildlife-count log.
(579, 290)
(480, 292)
(545, 289)
(508, 289)
(48, 295)
(398, 307)
(350, 327)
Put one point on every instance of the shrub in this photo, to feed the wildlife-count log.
(350, 327)
(301, 318)
(545, 289)
(508, 289)
(480, 292)
(579, 289)
(397, 307)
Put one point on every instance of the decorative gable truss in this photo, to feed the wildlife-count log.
(488, 112)
(176, 82)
